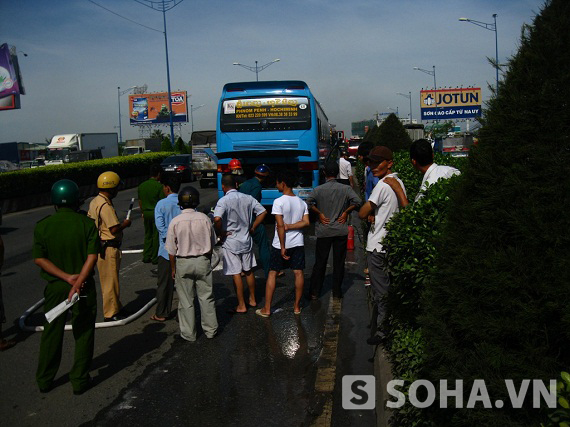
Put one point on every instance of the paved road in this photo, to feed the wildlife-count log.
(257, 371)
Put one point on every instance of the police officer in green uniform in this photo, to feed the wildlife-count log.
(150, 192)
(253, 187)
(65, 247)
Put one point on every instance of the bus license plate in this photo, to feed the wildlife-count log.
(209, 174)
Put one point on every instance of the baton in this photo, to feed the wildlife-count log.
(130, 208)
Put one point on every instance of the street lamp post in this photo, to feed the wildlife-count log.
(490, 27)
(409, 96)
(192, 109)
(119, 93)
(163, 6)
(431, 73)
(257, 68)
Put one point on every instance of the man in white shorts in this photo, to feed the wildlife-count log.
(232, 219)
(287, 250)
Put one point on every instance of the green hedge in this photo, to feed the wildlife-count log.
(411, 245)
(40, 180)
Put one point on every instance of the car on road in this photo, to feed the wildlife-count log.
(180, 164)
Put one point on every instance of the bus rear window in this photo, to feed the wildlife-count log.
(265, 114)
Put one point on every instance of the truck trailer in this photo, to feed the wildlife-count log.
(142, 145)
(73, 147)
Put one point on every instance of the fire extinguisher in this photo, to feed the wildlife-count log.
(350, 241)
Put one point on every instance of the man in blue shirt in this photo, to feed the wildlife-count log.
(166, 209)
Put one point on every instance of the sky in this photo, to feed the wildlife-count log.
(355, 55)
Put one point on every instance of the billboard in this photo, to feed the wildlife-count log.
(443, 104)
(152, 108)
(10, 79)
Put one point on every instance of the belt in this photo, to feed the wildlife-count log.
(111, 243)
(192, 256)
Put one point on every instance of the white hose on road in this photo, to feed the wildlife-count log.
(125, 321)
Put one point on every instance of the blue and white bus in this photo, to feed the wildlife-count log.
(279, 123)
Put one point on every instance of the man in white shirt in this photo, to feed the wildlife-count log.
(232, 219)
(345, 170)
(287, 250)
(421, 156)
(383, 204)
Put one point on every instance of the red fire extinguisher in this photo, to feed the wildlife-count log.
(350, 241)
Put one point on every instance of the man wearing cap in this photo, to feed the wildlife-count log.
(421, 156)
(253, 187)
(189, 242)
(382, 203)
(101, 210)
(65, 247)
(345, 170)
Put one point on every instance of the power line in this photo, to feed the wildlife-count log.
(121, 16)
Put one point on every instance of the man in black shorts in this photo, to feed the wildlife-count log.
(287, 250)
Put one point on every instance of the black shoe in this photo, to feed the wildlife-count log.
(375, 340)
(46, 389)
(84, 388)
(154, 271)
(116, 317)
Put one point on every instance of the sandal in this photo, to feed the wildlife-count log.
(259, 313)
(157, 319)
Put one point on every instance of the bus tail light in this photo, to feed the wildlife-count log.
(308, 166)
(224, 168)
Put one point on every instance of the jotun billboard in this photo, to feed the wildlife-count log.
(443, 104)
(153, 108)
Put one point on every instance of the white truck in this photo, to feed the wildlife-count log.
(142, 145)
(76, 147)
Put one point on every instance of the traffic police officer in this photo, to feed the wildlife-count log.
(65, 248)
(101, 210)
(253, 187)
(150, 192)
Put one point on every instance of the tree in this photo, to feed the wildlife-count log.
(498, 306)
(180, 147)
(392, 134)
(166, 145)
(158, 134)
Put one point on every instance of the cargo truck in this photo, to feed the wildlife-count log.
(457, 145)
(74, 147)
(142, 145)
(204, 161)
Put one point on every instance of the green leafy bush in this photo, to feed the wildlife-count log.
(26, 182)
(498, 305)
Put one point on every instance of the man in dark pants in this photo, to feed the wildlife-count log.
(166, 209)
(65, 248)
(332, 202)
(150, 192)
(253, 187)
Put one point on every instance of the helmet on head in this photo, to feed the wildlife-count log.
(64, 192)
(235, 164)
(262, 170)
(188, 197)
(108, 180)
